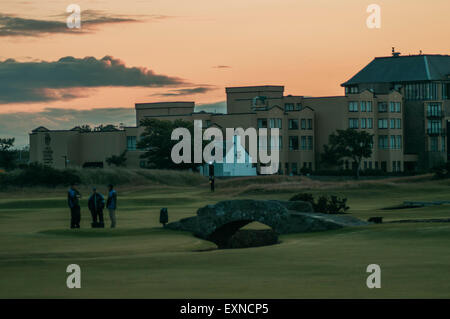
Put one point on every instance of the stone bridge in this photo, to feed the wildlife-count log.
(219, 222)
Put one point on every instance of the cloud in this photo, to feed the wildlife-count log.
(19, 124)
(222, 67)
(189, 91)
(61, 80)
(14, 26)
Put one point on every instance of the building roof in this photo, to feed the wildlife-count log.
(177, 104)
(411, 68)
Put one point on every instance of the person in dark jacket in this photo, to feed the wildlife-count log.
(111, 204)
(96, 203)
(73, 200)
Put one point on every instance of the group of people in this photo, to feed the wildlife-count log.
(96, 204)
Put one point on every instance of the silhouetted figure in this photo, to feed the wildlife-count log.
(164, 216)
(96, 203)
(73, 200)
(111, 204)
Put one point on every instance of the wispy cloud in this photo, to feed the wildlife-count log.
(15, 26)
(188, 91)
(61, 80)
(222, 67)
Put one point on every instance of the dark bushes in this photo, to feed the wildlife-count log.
(39, 175)
(442, 171)
(324, 204)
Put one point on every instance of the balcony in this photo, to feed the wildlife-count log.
(438, 114)
(436, 132)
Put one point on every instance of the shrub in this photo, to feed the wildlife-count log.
(39, 175)
(324, 204)
(442, 171)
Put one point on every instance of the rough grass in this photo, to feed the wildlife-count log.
(139, 259)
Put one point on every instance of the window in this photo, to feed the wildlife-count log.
(363, 106)
(309, 124)
(382, 107)
(280, 142)
(383, 142)
(443, 144)
(262, 123)
(445, 91)
(303, 124)
(392, 123)
(421, 91)
(293, 143)
(299, 106)
(310, 143)
(398, 123)
(131, 143)
(353, 106)
(398, 107)
(275, 123)
(369, 123)
(363, 123)
(434, 110)
(392, 107)
(207, 123)
(289, 106)
(382, 123)
(351, 89)
(353, 123)
(293, 124)
(303, 143)
(369, 106)
(399, 142)
(294, 168)
(434, 127)
(393, 142)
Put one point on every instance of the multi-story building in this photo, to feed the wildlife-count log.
(401, 100)
(424, 83)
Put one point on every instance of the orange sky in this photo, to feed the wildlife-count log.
(310, 46)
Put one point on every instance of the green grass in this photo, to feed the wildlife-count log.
(139, 259)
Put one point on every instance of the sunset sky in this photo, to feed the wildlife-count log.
(164, 50)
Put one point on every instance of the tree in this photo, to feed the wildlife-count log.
(117, 160)
(7, 155)
(349, 143)
(157, 142)
(106, 128)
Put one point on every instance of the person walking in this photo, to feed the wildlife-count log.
(73, 200)
(111, 204)
(96, 203)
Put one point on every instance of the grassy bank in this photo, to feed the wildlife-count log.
(140, 259)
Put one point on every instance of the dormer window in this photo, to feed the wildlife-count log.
(351, 89)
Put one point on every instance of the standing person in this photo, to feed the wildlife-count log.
(96, 203)
(111, 204)
(73, 200)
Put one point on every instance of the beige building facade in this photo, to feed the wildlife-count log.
(408, 122)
